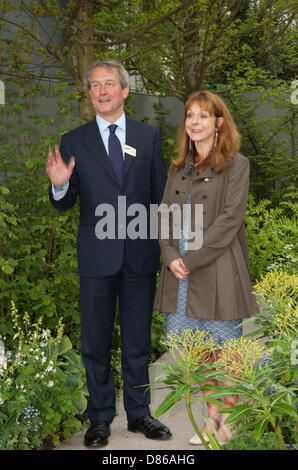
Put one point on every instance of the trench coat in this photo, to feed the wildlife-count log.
(219, 283)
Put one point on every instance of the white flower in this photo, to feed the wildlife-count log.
(49, 368)
(51, 383)
(43, 360)
(3, 359)
(1, 401)
(45, 334)
(37, 376)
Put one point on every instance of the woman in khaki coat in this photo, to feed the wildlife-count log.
(205, 278)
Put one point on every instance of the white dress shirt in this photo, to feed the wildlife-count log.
(103, 126)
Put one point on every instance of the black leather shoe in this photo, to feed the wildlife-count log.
(97, 435)
(152, 428)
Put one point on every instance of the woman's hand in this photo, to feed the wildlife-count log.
(178, 268)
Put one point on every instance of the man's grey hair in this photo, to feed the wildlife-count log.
(108, 64)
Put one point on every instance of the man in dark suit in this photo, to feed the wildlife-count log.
(112, 160)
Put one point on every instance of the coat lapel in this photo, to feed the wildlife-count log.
(132, 139)
(207, 173)
(95, 145)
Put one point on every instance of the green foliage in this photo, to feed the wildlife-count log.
(272, 233)
(277, 294)
(42, 386)
(38, 265)
(269, 390)
(184, 376)
(267, 141)
(202, 43)
(243, 44)
(37, 252)
(168, 135)
(269, 386)
(264, 376)
(247, 441)
(157, 335)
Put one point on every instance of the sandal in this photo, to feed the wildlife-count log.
(195, 440)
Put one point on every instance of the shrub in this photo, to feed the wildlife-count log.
(271, 235)
(42, 386)
(263, 375)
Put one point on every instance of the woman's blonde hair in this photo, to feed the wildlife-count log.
(228, 142)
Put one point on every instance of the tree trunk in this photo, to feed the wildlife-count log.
(192, 55)
(84, 50)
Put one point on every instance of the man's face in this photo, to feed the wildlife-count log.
(106, 93)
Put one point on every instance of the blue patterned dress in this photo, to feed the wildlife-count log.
(221, 331)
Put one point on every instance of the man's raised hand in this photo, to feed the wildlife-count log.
(57, 170)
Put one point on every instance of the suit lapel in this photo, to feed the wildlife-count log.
(95, 145)
(132, 139)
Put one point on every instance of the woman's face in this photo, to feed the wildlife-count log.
(200, 126)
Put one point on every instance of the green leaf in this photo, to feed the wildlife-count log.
(166, 404)
(260, 427)
(171, 399)
(63, 345)
(81, 403)
(213, 442)
(284, 408)
(224, 392)
(237, 413)
(7, 269)
(4, 190)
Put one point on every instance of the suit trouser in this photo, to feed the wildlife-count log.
(98, 298)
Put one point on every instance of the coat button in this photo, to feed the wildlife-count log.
(206, 180)
(204, 212)
(183, 178)
(177, 192)
(204, 196)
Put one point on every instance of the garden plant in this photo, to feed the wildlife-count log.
(42, 386)
(264, 371)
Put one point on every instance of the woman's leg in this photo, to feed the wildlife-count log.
(212, 408)
(217, 420)
(224, 431)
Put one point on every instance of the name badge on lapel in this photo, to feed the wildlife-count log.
(130, 150)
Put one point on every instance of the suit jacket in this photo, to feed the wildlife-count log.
(94, 181)
(219, 284)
